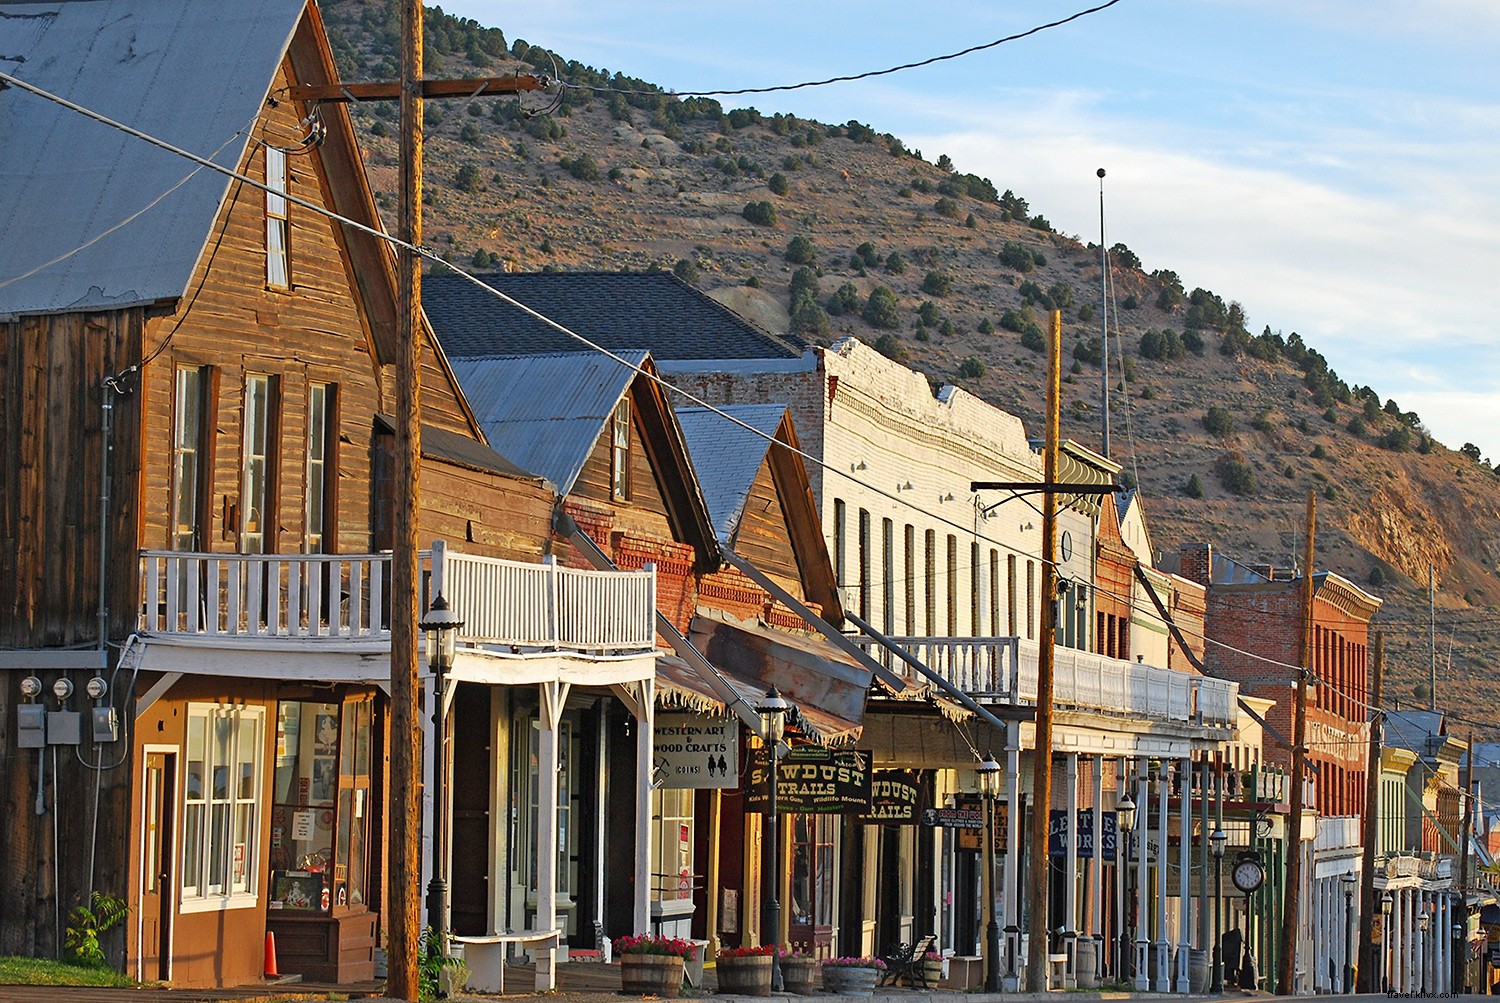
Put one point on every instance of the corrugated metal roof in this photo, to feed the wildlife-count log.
(191, 72)
(545, 412)
(727, 457)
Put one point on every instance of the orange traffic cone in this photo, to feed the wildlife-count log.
(271, 971)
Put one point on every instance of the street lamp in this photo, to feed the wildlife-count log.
(773, 710)
(1125, 823)
(1460, 965)
(441, 625)
(1216, 841)
(1387, 903)
(989, 787)
(1348, 880)
(1423, 922)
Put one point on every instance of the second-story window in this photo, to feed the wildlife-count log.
(191, 465)
(322, 436)
(278, 268)
(257, 485)
(619, 451)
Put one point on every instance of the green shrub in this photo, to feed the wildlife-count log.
(1017, 257)
(1219, 421)
(778, 185)
(948, 208)
(895, 263)
(800, 251)
(1033, 338)
(468, 179)
(809, 320)
(890, 346)
(760, 213)
(1263, 422)
(1235, 474)
(1319, 453)
(1356, 426)
(937, 283)
(1194, 487)
(845, 300)
(804, 285)
(1397, 440)
(971, 368)
(687, 270)
(986, 326)
(86, 923)
(881, 309)
(470, 133)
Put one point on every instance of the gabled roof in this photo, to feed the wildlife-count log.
(194, 73)
(727, 457)
(613, 309)
(545, 412)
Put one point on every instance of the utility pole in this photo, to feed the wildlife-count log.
(1466, 828)
(406, 753)
(1292, 893)
(1103, 322)
(1368, 903)
(1431, 637)
(1041, 769)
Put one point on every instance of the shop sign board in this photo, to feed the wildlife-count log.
(1085, 830)
(696, 751)
(895, 797)
(811, 780)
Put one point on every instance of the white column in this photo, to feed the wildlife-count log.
(1185, 859)
(1142, 889)
(1095, 922)
(1011, 903)
(1163, 946)
(645, 761)
(553, 695)
(1070, 871)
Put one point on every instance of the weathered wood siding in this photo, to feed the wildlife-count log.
(483, 513)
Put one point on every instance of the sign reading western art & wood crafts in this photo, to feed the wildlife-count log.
(895, 798)
(812, 781)
(697, 751)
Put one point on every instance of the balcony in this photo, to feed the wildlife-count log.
(316, 599)
(1003, 670)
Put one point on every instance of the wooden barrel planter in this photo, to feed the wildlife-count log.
(800, 975)
(849, 980)
(651, 974)
(747, 976)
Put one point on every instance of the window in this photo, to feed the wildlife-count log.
(221, 817)
(812, 871)
(840, 548)
(976, 620)
(619, 452)
(322, 469)
(888, 576)
(930, 591)
(994, 593)
(278, 273)
(864, 565)
(530, 760)
(258, 490)
(952, 588)
(1010, 595)
(672, 844)
(187, 466)
(910, 543)
(1031, 600)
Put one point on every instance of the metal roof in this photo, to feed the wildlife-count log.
(545, 412)
(194, 73)
(612, 309)
(727, 457)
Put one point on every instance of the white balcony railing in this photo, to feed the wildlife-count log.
(1004, 670)
(346, 597)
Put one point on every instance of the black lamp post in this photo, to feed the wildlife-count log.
(989, 787)
(1459, 966)
(1387, 902)
(1423, 922)
(441, 625)
(1347, 879)
(773, 710)
(1216, 841)
(1125, 824)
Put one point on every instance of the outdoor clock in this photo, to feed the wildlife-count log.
(1248, 874)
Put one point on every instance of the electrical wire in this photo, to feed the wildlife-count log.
(667, 387)
(866, 75)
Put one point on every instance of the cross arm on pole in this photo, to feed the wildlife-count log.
(391, 89)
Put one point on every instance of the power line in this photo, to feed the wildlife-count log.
(868, 74)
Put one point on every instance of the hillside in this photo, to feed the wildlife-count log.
(651, 182)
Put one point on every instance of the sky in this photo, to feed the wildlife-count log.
(1330, 165)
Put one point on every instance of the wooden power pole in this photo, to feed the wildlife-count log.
(406, 755)
(1368, 903)
(1291, 894)
(1041, 768)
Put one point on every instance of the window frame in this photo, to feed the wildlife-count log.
(321, 506)
(278, 222)
(260, 421)
(231, 893)
(619, 451)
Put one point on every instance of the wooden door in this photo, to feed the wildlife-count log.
(158, 840)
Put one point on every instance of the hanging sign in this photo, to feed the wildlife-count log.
(971, 837)
(895, 797)
(696, 751)
(1085, 847)
(812, 780)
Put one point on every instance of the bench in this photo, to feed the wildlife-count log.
(485, 956)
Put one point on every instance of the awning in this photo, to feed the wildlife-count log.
(824, 684)
(285, 659)
(680, 687)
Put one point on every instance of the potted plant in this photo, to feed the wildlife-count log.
(799, 972)
(745, 971)
(652, 965)
(932, 969)
(851, 976)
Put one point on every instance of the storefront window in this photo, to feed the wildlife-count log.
(320, 819)
(672, 845)
(812, 870)
(221, 805)
(566, 753)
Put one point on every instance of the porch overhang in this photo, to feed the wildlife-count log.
(495, 668)
(284, 659)
(679, 687)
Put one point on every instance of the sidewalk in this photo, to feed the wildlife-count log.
(578, 982)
